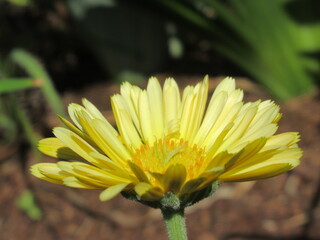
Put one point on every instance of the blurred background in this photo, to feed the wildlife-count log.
(58, 51)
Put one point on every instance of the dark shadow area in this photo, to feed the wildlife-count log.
(304, 11)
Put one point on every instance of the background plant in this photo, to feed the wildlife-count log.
(13, 116)
(262, 37)
(274, 42)
(15, 123)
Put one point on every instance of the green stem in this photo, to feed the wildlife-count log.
(175, 223)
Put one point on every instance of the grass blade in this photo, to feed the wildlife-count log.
(16, 84)
(34, 68)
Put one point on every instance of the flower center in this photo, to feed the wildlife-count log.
(164, 153)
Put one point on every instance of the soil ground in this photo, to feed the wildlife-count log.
(284, 207)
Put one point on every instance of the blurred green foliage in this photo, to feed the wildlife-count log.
(21, 3)
(262, 37)
(35, 69)
(275, 42)
(13, 118)
(26, 203)
(14, 84)
(80, 7)
(82, 40)
(124, 35)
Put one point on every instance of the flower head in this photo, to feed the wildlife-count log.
(165, 143)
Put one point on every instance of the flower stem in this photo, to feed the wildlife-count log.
(175, 223)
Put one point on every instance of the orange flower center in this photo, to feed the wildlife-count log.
(162, 154)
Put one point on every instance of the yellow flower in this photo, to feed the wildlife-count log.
(165, 143)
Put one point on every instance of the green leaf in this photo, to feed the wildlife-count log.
(16, 84)
(23, 121)
(22, 3)
(8, 129)
(308, 37)
(26, 203)
(268, 47)
(35, 69)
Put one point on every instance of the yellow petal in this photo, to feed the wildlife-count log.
(125, 125)
(193, 107)
(249, 151)
(130, 95)
(257, 174)
(138, 172)
(171, 104)
(213, 173)
(210, 118)
(73, 108)
(55, 148)
(221, 159)
(107, 177)
(192, 186)
(226, 85)
(148, 135)
(76, 183)
(267, 112)
(147, 192)
(264, 131)
(188, 100)
(282, 139)
(110, 164)
(239, 128)
(95, 113)
(47, 171)
(155, 101)
(174, 178)
(67, 167)
(263, 162)
(111, 192)
(74, 129)
(226, 117)
(104, 138)
(77, 144)
(217, 141)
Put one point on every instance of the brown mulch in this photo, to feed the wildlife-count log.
(284, 207)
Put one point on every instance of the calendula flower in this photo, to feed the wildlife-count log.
(167, 144)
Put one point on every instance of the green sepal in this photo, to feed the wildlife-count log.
(172, 201)
(191, 198)
(131, 195)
